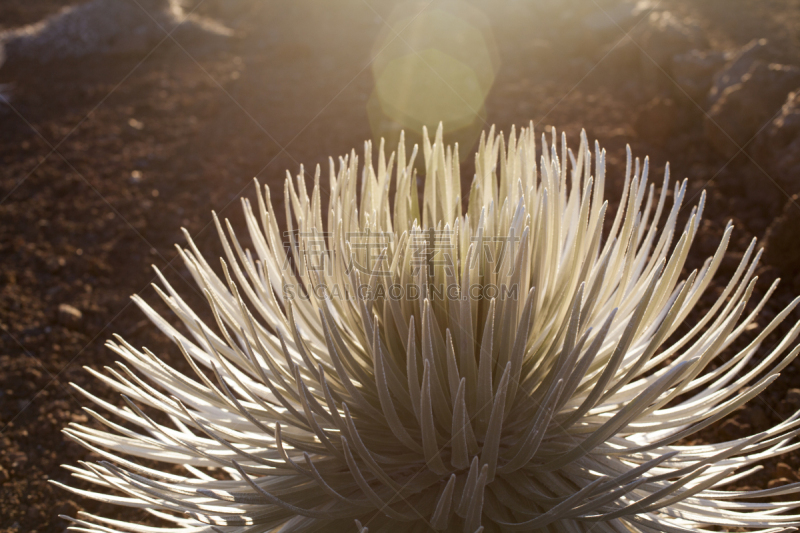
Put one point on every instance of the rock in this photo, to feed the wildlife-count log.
(662, 37)
(733, 429)
(793, 397)
(694, 71)
(784, 470)
(69, 316)
(136, 125)
(614, 19)
(782, 252)
(17, 460)
(744, 108)
(786, 127)
(103, 27)
(738, 63)
(778, 148)
(657, 121)
(779, 482)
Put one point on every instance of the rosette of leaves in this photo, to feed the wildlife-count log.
(399, 364)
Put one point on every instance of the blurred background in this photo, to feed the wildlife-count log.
(122, 121)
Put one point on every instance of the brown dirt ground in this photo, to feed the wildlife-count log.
(291, 87)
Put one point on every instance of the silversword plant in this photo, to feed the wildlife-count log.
(397, 364)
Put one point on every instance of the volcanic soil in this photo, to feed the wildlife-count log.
(104, 158)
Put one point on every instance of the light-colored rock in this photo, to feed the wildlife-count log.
(779, 482)
(69, 316)
(694, 71)
(784, 470)
(738, 63)
(778, 147)
(793, 397)
(663, 36)
(103, 27)
(615, 18)
(745, 108)
(785, 128)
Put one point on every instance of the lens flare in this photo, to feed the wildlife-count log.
(433, 64)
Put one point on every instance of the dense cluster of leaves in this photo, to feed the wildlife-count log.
(524, 384)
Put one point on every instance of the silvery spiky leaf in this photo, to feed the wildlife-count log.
(400, 367)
